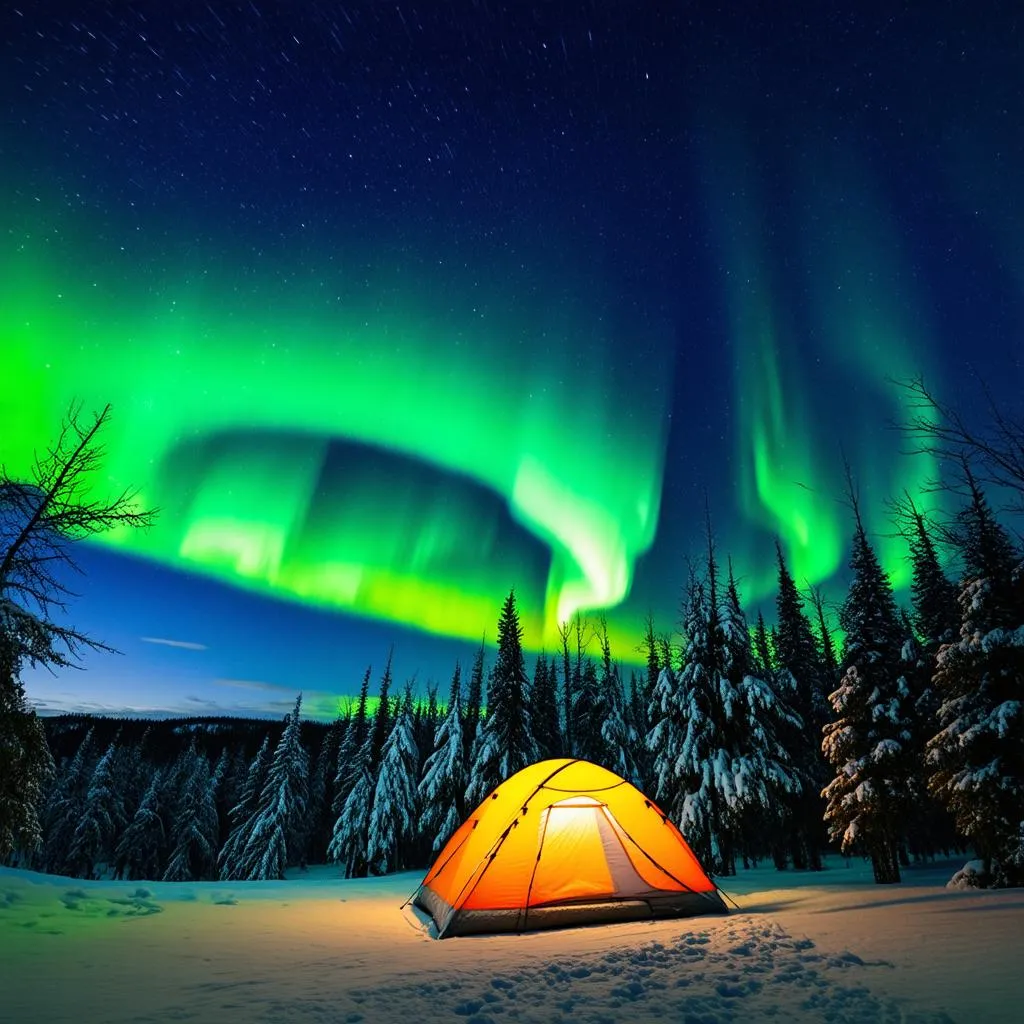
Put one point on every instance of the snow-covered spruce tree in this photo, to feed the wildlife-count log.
(349, 839)
(619, 737)
(589, 713)
(442, 788)
(275, 836)
(685, 738)
(570, 680)
(799, 674)
(243, 815)
(652, 661)
(764, 730)
(934, 621)
(936, 614)
(132, 772)
(587, 707)
(355, 735)
(142, 847)
(221, 781)
(665, 737)
(350, 835)
(543, 702)
(977, 756)
(193, 846)
(764, 656)
(63, 806)
(425, 719)
(795, 649)
(641, 694)
(826, 646)
(381, 725)
(637, 700)
(26, 766)
(473, 706)
(101, 821)
(391, 834)
(868, 743)
(320, 814)
(507, 744)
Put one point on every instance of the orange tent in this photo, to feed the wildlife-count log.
(563, 842)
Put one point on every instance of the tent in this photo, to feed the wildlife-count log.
(563, 842)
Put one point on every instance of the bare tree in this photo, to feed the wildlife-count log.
(40, 519)
(938, 429)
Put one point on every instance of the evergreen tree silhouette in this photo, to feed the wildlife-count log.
(868, 740)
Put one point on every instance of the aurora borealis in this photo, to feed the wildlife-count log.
(398, 306)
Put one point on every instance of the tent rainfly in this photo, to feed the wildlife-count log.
(562, 843)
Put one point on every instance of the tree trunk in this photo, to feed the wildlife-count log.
(885, 864)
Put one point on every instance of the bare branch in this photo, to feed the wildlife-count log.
(40, 520)
(938, 429)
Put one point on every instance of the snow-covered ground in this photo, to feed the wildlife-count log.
(829, 947)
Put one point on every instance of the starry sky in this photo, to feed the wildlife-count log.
(399, 305)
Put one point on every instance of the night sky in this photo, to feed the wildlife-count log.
(399, 305)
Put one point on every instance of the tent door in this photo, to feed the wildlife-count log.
(571, 864)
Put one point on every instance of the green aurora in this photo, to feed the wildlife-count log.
(226, 414)
(493, 467)
(815, 375)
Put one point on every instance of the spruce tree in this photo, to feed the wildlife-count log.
(243, 815)
(936, 614)
(764, 658)
(63, 807)
(349, 839)
(977, 756)
(934, 621)
(868, 740)
(473, 706)
(319, 814)
(426, 720)
(763, 731)
(101, 820)
(589, 713)
(507, 743)
(356, 733)
(142, 846)
(707, 770)
(543, 702)
(826, 647)
(193, 854)
(222, 782)
(618, 736)
(393, 816)
(381, 724)
(442, 788)
(689, 761)
(801, 675)
(277, 831)
(795, 649)
(652, 661)
(570, 680)
(641, 697)
(26, 766)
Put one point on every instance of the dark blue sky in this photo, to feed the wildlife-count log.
(710, 235)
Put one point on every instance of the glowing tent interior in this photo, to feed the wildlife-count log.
(563, 842)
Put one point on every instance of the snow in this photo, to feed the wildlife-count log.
(827, 946)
